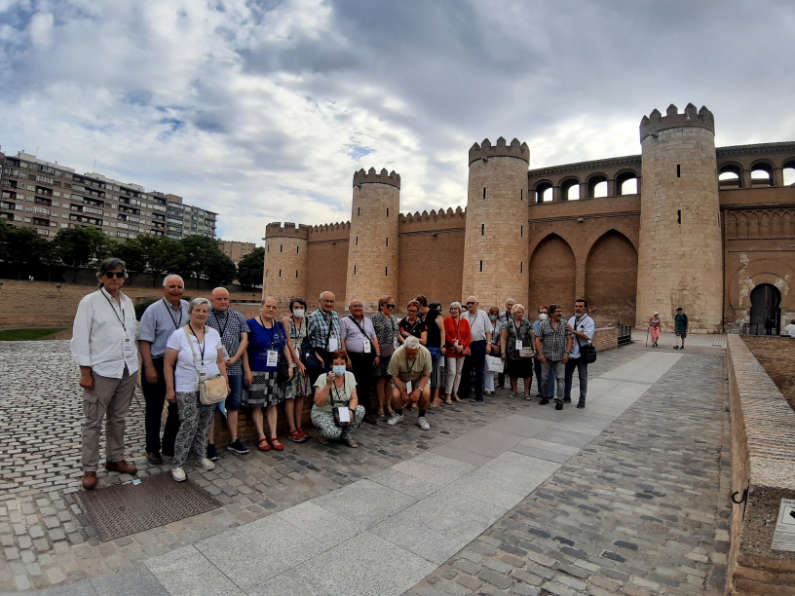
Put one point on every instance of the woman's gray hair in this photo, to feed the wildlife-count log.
(518, 306)
(111, 264)
(412, 343)
(197, 302)
(456, 304)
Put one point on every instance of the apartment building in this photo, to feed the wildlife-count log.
(236, 250)
(49, 197)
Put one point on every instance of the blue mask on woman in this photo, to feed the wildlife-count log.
(338, 370)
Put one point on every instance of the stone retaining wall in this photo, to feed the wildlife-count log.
(763, 462)
(605, 338)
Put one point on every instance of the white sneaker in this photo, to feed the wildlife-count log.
(423, 423)
(178, 474)
(206, 464)
(394, 419)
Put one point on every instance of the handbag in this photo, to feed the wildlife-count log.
(525, 351)
(587, 351)
(212, 390)
(308, 355)
(282, 366)
(494, 364)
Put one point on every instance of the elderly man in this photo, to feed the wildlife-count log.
(325, 335)
(159, 321)
(581, 329)
(504, 318)
(103, 346)
(361, 345)
(553, 344)
(410, 369)
(480, 327)
(233, 329)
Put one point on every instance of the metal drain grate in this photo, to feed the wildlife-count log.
(119, 511)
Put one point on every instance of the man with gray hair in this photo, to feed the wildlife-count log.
(103, 346)
(363, 352)
(324, 333)
(410, 368)
(159, 321)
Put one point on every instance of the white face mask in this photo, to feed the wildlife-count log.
(543, 316)
(338, 370)
(298, 313)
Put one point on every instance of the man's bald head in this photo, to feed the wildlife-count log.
(220, 299)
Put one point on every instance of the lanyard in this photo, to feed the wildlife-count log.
(226, 322)
(274, 331)
(177, 323)
(337, 392)
(113, 308)
(202, 344)
(411, 368)
(295, 330)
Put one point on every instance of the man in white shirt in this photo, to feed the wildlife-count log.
(103, 345)
(582, 329)
(480, 327)
(790, 329)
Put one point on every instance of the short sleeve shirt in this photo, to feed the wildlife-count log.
(416, 328)
(583, 324)
(340, 396)
(188, 347)
(159, 321)
(410, 370)
(231, 326)
(386, 330)
(261, 340)
(479, 324)
(352, 334)
(553, 340)
(322, 328)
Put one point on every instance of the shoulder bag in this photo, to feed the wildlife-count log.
(335, 410)
(213, 390)
(587, 351)
(282, 366)
(307, 353)
(367, 339)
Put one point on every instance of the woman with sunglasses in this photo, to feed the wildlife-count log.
(386, 331)
(457, 338)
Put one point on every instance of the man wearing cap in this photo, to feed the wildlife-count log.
(680, 327)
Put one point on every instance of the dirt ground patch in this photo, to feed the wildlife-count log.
(777, 356)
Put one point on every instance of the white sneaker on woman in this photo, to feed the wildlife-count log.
(178, 474)
(206, 464)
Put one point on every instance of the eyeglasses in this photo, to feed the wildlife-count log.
(471, 303)
(116, 274)
(390, 305)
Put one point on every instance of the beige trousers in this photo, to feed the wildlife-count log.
(109, 399)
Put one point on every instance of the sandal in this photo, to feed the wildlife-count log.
(276, 444)
(302, 436)
(350, 443)
(263, 445)
(295, 436)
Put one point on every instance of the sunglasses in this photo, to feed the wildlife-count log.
(116, 274)
(389, 305)
(471, 303)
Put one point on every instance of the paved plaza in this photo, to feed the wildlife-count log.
(628, 496)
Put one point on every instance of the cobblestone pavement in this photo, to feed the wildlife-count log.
(643, 509)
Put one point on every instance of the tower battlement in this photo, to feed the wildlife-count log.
(501, 149)
(690, 118)
(371, 176)
(286, 229)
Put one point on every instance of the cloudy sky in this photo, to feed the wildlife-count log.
(262, 110)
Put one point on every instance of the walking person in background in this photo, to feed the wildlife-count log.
(457, 339)
(680, 327)
(434, 328)
(386, 331)
(516, 336)
(266, 345)
(233, 329)
(480, 328)
(194, 353)
(581, 328)
(103, 346)
(299, 386)
(159, 321)
(360, 344)
(553, 344)
(494, 349)
(655, 326)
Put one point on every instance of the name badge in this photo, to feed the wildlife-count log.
(408, 386)
(333, 344)
(366, 347)
(518, 344)
(127, 348)
(457, 342)
(273, 358)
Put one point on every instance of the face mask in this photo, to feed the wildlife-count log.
(338, 370)
(493, 318)
(299, 313)
(543, 316)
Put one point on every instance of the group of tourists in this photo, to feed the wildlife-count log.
(201, 355)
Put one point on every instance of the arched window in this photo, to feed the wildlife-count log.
(761, 174)
(729, 176)
(788, 173)
(544, 192)
(570, 190)
(627, 184)
(597, 187)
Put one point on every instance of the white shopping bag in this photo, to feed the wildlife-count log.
(494, 364)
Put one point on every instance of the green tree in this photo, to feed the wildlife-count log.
(79, 246)
(23, 252)
(251, 267)
(202, 259)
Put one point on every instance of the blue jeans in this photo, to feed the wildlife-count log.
(553, 371)
(236, 390)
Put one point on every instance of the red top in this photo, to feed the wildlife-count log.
(456, 331)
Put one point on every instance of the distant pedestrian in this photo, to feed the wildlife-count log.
(655, 326)
(360, 344)
(300, 386)
(333, 390)
(553, 344)
(410, 368)
(386, 330)
(103, 346)
(324, 333)
(581, 329)
(434, 328)
(457, 339)
(490, 378)
(680, 326)
(516, 344)
(233, 329)
(159, 321)
(475, 364)
(194, 353)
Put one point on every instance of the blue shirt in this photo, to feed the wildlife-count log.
(586, 325)
(260, 341)
(159, 321)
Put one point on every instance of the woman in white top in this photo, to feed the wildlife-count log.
(194, 346)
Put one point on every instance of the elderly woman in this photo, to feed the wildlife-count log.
(412, 324)
(299, 386)
(516, 335)
(654, 328)
(191, 351)
(457, 338)
(386, 331)
(267, 344)
(494, 349)
(337, 389)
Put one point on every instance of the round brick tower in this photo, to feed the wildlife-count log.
(285, 271)
(496, 242)
(373, 245)
(679, 253)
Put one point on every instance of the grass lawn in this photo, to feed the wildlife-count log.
(27, 334)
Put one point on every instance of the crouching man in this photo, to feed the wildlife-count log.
(410, 369)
